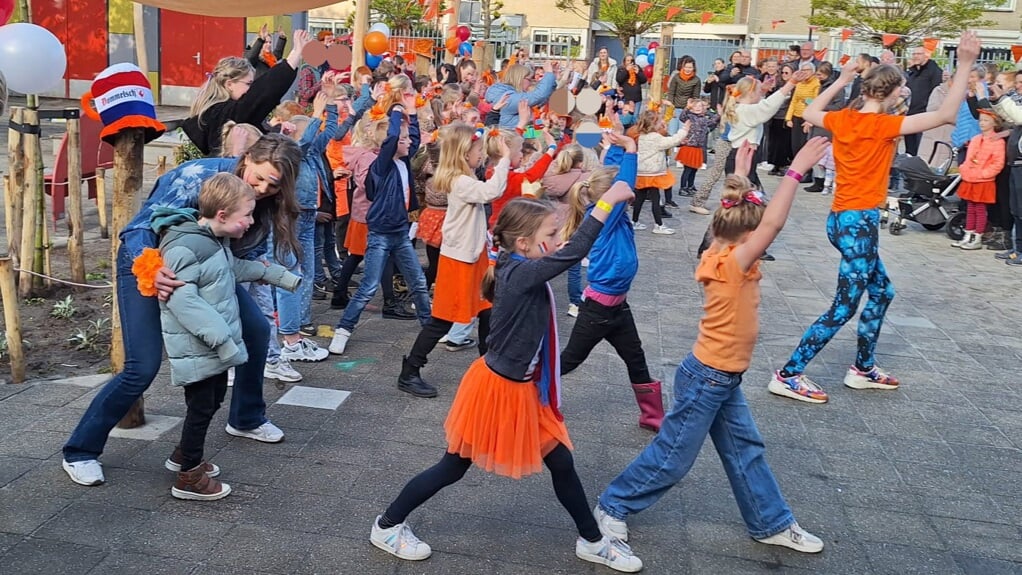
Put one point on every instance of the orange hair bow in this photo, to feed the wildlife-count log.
(377, 113)
(494, 133)
(733, 91)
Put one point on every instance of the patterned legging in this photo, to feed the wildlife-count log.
(854, 234)
(721, 149)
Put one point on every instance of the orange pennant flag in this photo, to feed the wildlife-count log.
(930, 44)
(846, 34)
(889, 39)
(448, 11)
(844, 59)
(1016, 52)
(706, 17)
(672, 12)
(820, 54)
(775, 23)
(643, 6)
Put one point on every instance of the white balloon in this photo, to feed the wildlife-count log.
(31, 58)
(641, 61)
(380, 27)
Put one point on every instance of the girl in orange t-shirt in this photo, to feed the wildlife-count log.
(864, 138)
(708, 398)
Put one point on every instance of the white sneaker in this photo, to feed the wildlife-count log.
(443, 340)
(699, 210)
(702, 167)
(281, 370)
(399, 541)
(230, 377)
(638, 226)
(764, 166)
(613, 553)
(794, 537)
(267, 433)
(609, 526)
(662, 230)
(88, 472)
(573, 310)
(585, 262)
(340, 341)
(678, 165)
(304, 350)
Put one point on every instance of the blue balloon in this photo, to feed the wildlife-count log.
(465, 49)
(373, 61)
(642, 51)
(650, 57)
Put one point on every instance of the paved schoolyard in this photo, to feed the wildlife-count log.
(926, 479)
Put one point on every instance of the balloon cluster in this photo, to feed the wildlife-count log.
(376, 44)
(32, 60)
(645, 56)
(458, 43)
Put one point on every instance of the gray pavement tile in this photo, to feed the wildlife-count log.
(49, 394)
(12, 468)
(317, 477)
(877, 525)
(888, 558)
(228, 510)
(331, 555)
(849, 467)
(118, 563)
(184, 538)
(980, 435)
(958, 412)
(33, 444)
(705, 563)
(147, 490)
(903, 425)
(984, 457)
(31, 509)
(62, 420)
(35, 556)
(968, 506)
(262, 548)
(8, 540)
(972, 565)
(19, 416)
(919, 450)
(980, 538)
(94, 525)
(935, 479)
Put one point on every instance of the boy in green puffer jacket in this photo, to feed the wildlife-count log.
(200, 321)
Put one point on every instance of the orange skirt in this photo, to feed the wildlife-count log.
(357, 238)
(979, 192)
(500, 424)
(660, 182)
(691, 157)
(431, 225)
(458, 296)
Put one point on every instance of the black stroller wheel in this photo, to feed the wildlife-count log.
(956, 226)
(933, 227)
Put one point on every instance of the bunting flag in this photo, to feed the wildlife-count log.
(820, 54)
(775, 23)
(432, 10)
(846, 34)
(930, 44)
(844, 59)
(813, 28)
(672, 12)
(706, 17)
(889, 39)
(1016, 52)
(643, 6)
(448, 11)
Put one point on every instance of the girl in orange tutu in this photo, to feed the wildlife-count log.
(505, 416)
(653, 174)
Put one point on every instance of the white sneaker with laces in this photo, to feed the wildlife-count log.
(573, 310)
(230, 377)
(609, 526)
(794, 537)
(340, 341)
(88, 472)
(613, 553)
(399, 541)
(303, 350)
(638, 226)
(281, 370)
(266, 433)
(662, 230)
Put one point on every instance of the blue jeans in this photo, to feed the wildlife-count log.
(262, 294)
(575, 284)
(143, 354)
(706, 401)
(379, 247)
(326, 249)
(294, 309)
(460, 332)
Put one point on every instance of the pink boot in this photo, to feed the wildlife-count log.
(651, 405)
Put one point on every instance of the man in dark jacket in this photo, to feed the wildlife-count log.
(924, 75)
(741, 66)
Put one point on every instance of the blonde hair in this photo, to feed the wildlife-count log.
(511, 140)
(396, 88)
(451, 94)
(214, 91)
(286, 110)
(369, 133)
(744, 87)
(455, 142)
(648, 122)
(571, 156)
(520, 218)
(729, 224)
(585, 192)
(232, 148)
(223, 192)
(515, 75)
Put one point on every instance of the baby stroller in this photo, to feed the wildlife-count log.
(929, 200)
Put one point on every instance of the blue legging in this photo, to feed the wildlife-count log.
(855, 234)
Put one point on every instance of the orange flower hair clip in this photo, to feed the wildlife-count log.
(494, 133)
(419, 101)
(377, 113)
(145, 267)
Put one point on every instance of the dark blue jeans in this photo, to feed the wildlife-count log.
(143, 354)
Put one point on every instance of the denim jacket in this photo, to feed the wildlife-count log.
(388, 212)
(314, 171)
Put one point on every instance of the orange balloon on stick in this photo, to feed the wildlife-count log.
(376, 43)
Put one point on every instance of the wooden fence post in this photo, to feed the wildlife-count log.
(31, 236)
(16, 170)
(12, 320)
(104, 228)
(74, 205)
(661, 63)
(128, 169)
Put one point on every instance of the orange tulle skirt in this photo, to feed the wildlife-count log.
(431, 225)
(980, 192)
(660, 182)
(690, 156)
(357, 238)
(500, 425)
(458, 296)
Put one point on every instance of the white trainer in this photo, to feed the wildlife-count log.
(794, 537)
(340, 341)
(88, 472)
(230, 377)
(281, 370)
(638, 226)
(609, 526)
(613, 553)
(399, 541)
(266, 433)
(699, 210)
(662, 230)
(303, 350)
(573, 309)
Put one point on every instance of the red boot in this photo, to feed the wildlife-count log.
(651, 404)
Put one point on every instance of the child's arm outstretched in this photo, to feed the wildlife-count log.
(776, 212)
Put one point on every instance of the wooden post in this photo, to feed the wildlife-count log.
(128, 164)
(16, 170)
(482, 54)
(358, 33)
(104, 229)
(452, 26)
(663, 56)
(74, 201)
(12, 320)
(30, 241)
(9, 227)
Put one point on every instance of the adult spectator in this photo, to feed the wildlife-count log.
(865, 63)
(683, 86)
(805, 92)
(887, 57)
(741, 66)
(807, 55)
(630, 79)
(778, 134)
(518, 84)
(265, 52)
(310, 77)
(712, 85)
(793, 54)
(924, 75)
(603, 69)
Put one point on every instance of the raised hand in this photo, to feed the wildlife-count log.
(319, 103)
(743, 159)
(502, 101)
(968, 48)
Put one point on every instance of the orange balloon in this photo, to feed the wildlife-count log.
(452, 44)
(376, 43)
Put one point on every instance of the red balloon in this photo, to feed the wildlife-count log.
(452, 44)
(653, 46)
(6, 11)
(649, 71)
(376, 43)
(463, 33)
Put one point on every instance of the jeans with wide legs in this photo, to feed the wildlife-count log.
(706, 402)
(379, 247)
(262, 295)
(294, 309)
(575, 284)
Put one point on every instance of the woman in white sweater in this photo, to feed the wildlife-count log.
(603, 70)
(654, 176)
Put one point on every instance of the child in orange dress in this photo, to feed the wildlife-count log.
(505, 416)
(983, 161)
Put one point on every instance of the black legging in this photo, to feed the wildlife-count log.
(436, 329)
(999, 212)
(433, 256)
(452, 468)
(651, 194)
(729, 167)
(798, 137)
(779, 136)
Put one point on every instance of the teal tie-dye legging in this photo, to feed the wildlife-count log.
(855, 234)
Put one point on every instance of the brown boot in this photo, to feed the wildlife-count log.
(173, 463)
(195, 485)
(651, 404)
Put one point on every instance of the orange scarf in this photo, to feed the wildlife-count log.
(686, 77)
(631, 77)
(269, 58)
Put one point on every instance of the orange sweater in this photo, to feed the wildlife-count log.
(514, 185)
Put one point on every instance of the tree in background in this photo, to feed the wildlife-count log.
(624, 20)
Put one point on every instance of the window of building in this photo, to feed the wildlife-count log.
(1002, 6)
(470, 12)
(557, 44)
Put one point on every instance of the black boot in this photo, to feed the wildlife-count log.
(395, 309)
(339, 299)
(817, 186)
(1000, 241)
(411, 382)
